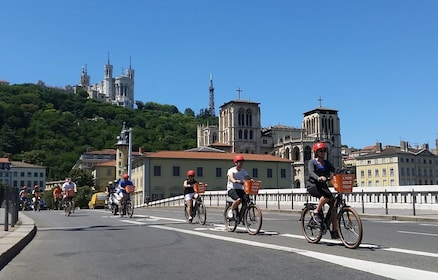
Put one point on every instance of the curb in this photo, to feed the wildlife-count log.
(25, 232)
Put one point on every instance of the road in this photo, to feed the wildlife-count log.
(158, 244)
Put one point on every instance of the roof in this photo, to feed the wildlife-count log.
(205, 149)
(4, 160)
(103, 152)
(110, 163)
(213, 155)
(25, 164)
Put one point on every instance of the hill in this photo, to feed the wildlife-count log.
(53, 128)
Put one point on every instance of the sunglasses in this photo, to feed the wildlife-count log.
(322, 150)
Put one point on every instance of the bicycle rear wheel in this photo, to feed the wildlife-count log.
(67, 208)
(311, 229)
(253, 219)
(350, 227)
(201, 212)
(230, 223)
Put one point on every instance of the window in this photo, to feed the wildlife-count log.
(376, 172)
(369, 172)
(255, 173)
(199, 171)
(269, 173)
(157, 170)
(362, 173)
(218, 172)
(384, 172)
(391, 172)
(283, 173)
(176, 171)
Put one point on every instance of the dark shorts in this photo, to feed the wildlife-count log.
(318, 190)
(236, 193)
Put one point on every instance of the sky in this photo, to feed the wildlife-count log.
(374, 61)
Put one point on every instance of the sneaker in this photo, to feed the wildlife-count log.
(317, 218)
(190, 219)
(230, 214)
(334, 234)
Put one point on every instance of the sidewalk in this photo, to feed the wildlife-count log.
(16, 238)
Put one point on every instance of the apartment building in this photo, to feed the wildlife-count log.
(397, 166)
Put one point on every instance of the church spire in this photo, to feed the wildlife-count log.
(211, 89)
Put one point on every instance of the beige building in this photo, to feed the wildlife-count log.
(161, 174)
(397, 166)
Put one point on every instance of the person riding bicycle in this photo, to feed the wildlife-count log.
(36, 193)
(189, 192)
(69, 190)
(122, 194)
(24, 195)
(57, 196)
(236, 177)
(320, 171)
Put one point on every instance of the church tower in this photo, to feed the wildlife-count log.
(323, 124)
(240, 126)
(108, 81)
(85, 78)
(211, 90)
(122, 153)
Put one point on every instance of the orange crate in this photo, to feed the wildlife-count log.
(129, 189)
(343, 183)
(200, 187)
(252, 187)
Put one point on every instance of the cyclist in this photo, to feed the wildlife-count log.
(24, 197)
(236, 178)
(69, 189)
(36, 193)
(57, 197)
(121, 192)
(189, 192)
(320, 170)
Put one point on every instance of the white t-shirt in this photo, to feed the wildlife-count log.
(237, 175)
(68, 186)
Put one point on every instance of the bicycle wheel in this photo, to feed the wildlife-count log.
(311, 229)
(67, 208)
(230, 223)
(253, 219)
(350, 227)
(129, 209)
(201, 212)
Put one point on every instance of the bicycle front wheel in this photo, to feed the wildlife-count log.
(202, 213)
(311, 229)
(230, 223)
(350, 227)
(129, 209)
(253, 219)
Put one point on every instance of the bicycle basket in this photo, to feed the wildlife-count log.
(343, 183)
(70, 193)
(252, 187)
(200, 187)
(129, 189)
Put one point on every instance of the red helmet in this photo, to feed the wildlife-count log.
(125, 176)
(191, 173)
(318, 145)
(238, 158)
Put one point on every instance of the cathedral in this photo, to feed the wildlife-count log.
(117, 90)
(240, 131)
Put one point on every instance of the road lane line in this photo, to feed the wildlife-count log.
(418, 233)
(385, 270)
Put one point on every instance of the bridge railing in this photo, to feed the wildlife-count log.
(411, 198)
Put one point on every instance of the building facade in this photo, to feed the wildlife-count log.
(397, 166)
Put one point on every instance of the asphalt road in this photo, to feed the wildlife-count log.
(157, 243)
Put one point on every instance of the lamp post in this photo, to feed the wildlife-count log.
(7, 167)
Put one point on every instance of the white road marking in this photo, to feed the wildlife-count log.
(418, 233)
(381, 269)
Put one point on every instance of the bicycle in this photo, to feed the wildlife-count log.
(69, 203)
(349, 227)
(126, 205)
(198, 208)
(249, 213)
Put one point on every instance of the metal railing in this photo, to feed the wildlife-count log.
(409, 198)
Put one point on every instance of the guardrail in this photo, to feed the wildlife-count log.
(411, 198)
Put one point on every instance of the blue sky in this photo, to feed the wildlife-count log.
(374, 61)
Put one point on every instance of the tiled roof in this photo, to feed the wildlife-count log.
(213, 155)
(103, 152)
(4, 160)
(106, 163)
